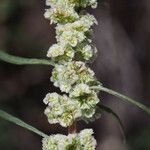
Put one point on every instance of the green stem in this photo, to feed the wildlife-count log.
(123, 97)
(23, 61)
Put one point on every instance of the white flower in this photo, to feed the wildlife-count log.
(65, 110)
(48, 2)
(73, 3)
(52, 98)
(71, 37)
(86, 98)
(88, 113)
(60, 52)
(80, 90)
(55, 142)
(81, 141)
(56, 50)
(61, 13)
(87, 139)
(70, 73)
(65, 87)
(47, 13)
(49, 144)
(57, 109)
(92, 3)
(87, 52)
(74, 33)
(61, 109)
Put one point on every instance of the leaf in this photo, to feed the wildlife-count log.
(123, 97)
(115, 116)
(19, 122)
(23, 61)
(127, 99)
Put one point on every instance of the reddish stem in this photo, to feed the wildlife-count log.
(72, 129)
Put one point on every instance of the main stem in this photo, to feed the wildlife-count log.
(73, 128)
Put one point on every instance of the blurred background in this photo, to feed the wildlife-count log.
(123, 64)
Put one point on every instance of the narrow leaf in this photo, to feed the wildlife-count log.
(124, 98)
(115, 116)
(19, 122)
(23, 61)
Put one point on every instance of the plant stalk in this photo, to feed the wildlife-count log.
(73, 128)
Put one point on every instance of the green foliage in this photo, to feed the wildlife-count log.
(19, 122)
(23, 61)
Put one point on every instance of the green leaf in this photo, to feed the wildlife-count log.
(115, 116)
(23, 61)
(123, 97)
(19, 122)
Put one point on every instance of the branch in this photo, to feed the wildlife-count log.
(73, 128)
(19, 122)
(23, 61)
(123, 97)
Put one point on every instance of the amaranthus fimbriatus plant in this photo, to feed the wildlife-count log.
(79, 87)
(74, 49)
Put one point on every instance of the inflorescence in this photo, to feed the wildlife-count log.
(71, 53)
(82, 141)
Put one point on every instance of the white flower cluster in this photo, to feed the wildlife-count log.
(64, 110)
(68, 74)
(61, 109)
(82, 141)
(85, 52)
(63, 11)
(73, 38)
(61, 52)
(74, 33)
(71, 74)
(86, 98)
(85, 3)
